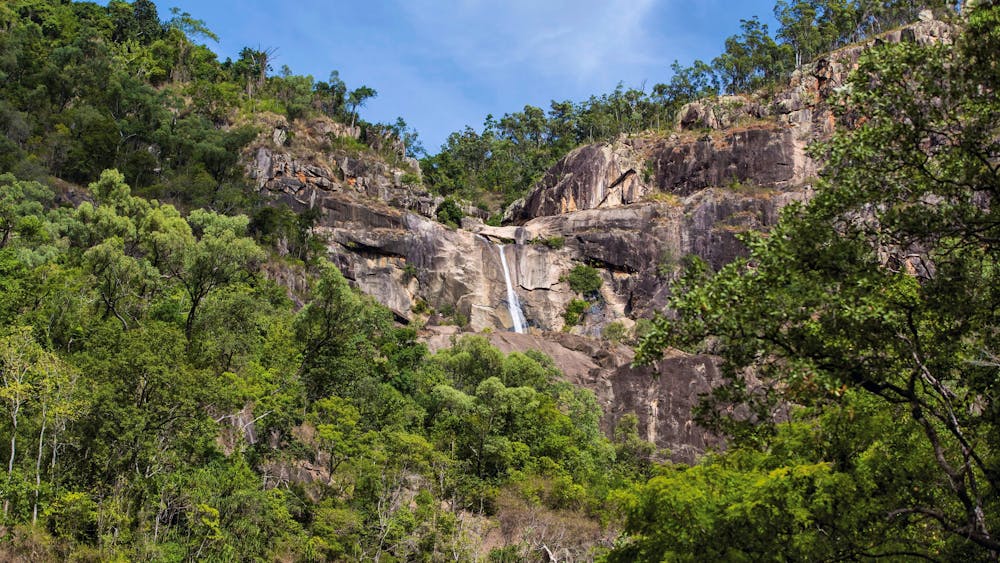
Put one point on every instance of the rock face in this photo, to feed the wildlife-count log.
(757, 155)
(304, 159)
(762, 156)
(590, 177)
(634, 208)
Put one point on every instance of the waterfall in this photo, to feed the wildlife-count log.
(513, 303)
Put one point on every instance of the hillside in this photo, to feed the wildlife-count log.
(240, 322)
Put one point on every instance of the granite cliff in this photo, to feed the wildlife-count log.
(633, 208)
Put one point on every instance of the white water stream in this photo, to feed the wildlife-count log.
(513, 303)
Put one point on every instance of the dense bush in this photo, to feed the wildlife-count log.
(574, 312)
(449, 213)
(584, 279)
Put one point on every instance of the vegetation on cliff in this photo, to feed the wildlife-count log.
(163, 398)
(859, 338)
(84, 88)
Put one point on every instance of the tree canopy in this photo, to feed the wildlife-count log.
(881, 289)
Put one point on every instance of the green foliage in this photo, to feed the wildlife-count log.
(349, 144)
(687, 85)
(783, 504)
(420, 307)
(342, 334)
(357, 98)
(411, 179)
(632, 453)
(876, 295)
(614, 332)
(575, 310)
(86, 88)
(449, 213)
(813, 27)
(752, 59)
(291, 233)
(503, 414)
(554, 242)
(584, 279)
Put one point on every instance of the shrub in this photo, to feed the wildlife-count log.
(449, 213)
(614, 332)
(420, 307)
(347, 144)
(555, 243)
(642, 328)
(584, 279)
(574, 312)
(409, 272)
(663, 197)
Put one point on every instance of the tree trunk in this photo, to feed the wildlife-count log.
(38, 466)
(10, 461)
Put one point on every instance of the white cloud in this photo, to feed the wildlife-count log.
(568, 39)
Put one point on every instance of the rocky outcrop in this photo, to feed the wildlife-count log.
(634, 208)
(762, 156)
(768, 155)
(643, 246)
(321, 155)
(590, 177)
(404, 259)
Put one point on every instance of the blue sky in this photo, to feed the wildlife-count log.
(445, 64)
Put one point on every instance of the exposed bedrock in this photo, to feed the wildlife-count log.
(634, 208)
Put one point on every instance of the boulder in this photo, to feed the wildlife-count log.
(595, 176)
(717, 113)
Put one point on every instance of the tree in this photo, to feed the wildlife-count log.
(181, 29)
(58, 405)
(686, 85)
(339, 332)
(357, 98)
(330, 96)
(410, 138)
(121, 280)
(221, 256)
(18, 200)
(449, 213)
(751, 60)
(21, 366)
(253, 66)
(584, 279)
(820, 492)
(798, 28)
(885, 284)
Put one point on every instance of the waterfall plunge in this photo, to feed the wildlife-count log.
(513, 303)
